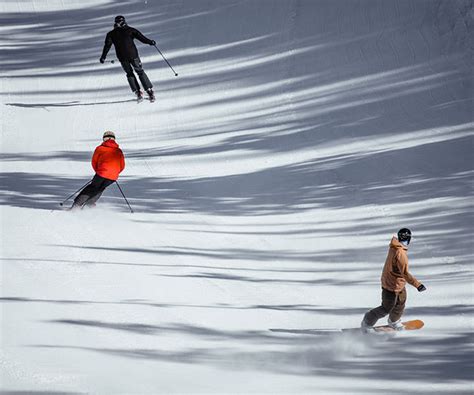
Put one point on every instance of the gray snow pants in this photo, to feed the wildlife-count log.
(135, 64)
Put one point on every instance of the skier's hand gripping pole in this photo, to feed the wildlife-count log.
(102, 60)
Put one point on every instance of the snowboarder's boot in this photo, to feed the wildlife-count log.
(397, 325)
(366, 328)
(151, 95)
(139, 95)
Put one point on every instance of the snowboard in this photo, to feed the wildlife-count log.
(409, 326)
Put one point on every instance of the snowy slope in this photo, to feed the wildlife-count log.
(267, 180)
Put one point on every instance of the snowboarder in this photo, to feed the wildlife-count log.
(395, 275)
(122, 37)
(108, 162)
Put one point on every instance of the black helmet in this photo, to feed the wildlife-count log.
(120, 20)
(404, 234)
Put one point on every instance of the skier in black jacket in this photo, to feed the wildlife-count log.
(122, 37)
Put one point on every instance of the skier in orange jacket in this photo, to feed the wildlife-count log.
(395, 275)
(108, 162)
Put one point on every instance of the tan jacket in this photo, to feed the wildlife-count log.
(395, 273)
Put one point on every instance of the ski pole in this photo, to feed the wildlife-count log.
(124, 197)
(80, 189)
(175, 73)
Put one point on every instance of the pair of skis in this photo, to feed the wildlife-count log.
(151, 97)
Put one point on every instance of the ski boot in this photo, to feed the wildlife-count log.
(74, 207)
(139, 95)
(151, 95)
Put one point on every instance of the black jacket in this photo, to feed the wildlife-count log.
(122, 38)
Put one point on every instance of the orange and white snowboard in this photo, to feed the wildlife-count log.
(408, 326)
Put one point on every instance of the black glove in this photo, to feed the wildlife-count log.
(421, 288)
(152, 42)
(102, 60)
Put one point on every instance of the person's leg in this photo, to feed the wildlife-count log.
(104, 183)
(389, 300)
(87, 192)
(137, 66)
(132, 80)
(397, 311)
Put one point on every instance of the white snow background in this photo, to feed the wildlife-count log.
(267, 180)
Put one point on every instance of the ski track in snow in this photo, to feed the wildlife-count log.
(266, 180)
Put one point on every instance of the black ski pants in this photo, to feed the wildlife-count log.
(92, 192)
(135, 64)
(393, 304)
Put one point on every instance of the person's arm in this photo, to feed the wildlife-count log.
(140, 37)
(402, 262)
(95, 160)
(122, 162)
(107, 45)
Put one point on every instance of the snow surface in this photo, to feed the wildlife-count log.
(267, 180)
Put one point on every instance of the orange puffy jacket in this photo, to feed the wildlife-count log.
(395, 273)
(108, 160)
